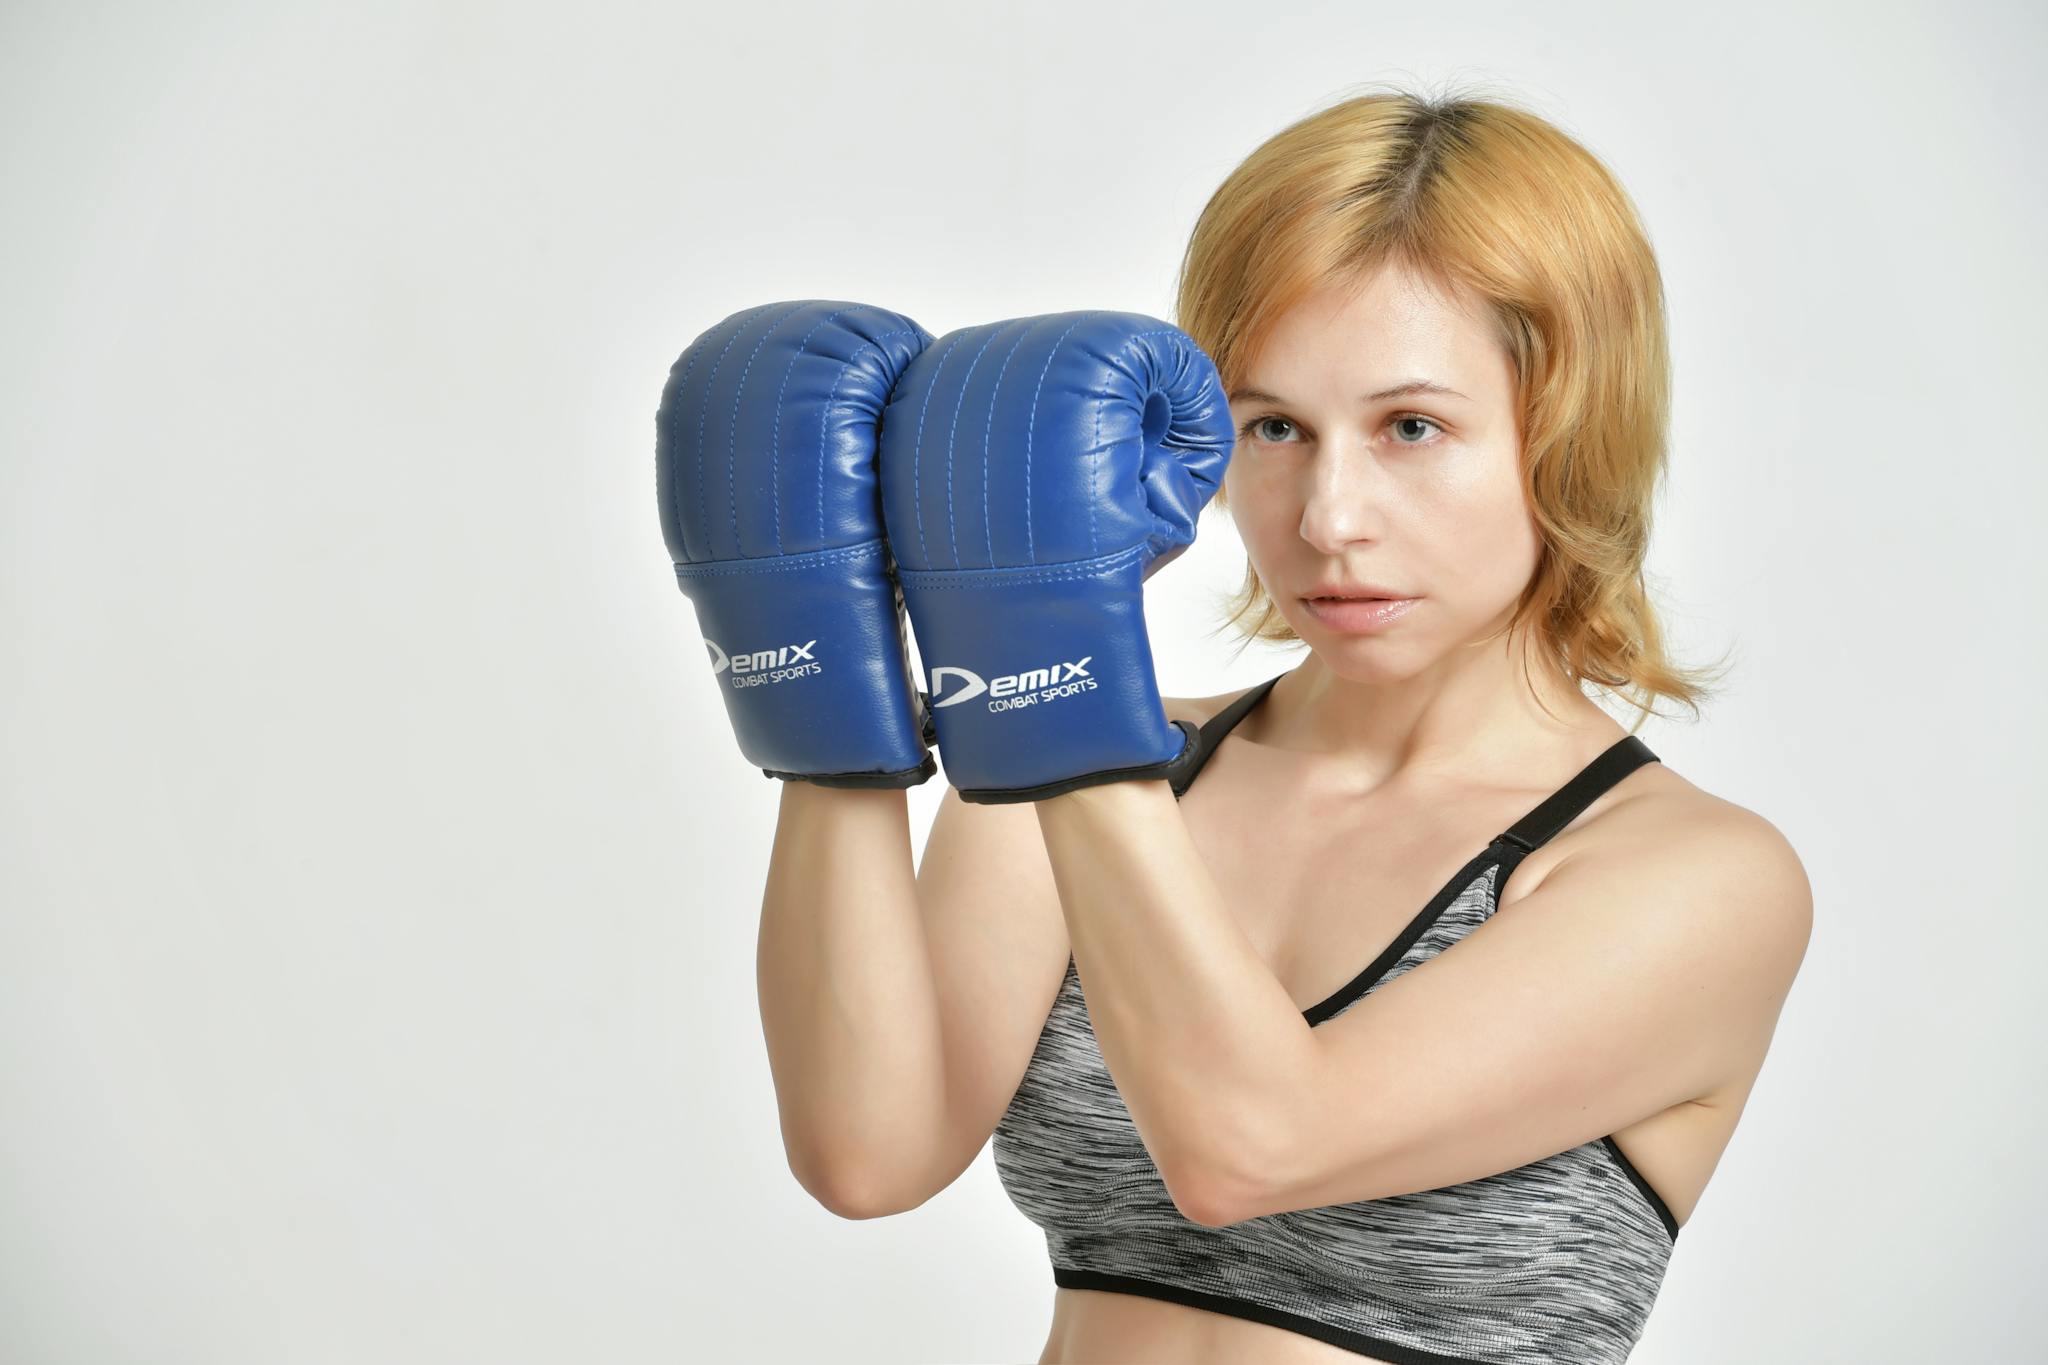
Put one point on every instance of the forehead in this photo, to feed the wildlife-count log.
(1391, 325)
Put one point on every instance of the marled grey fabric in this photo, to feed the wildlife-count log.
(1554, 1263)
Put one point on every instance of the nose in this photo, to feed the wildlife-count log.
(1341, 498)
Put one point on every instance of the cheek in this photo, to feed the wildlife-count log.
(1259, 513)
(1492, 544)
(1510, 526)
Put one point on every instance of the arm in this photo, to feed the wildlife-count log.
(765, 469)
(1642, 973)
(1036, 472)
(1192, 1023)
(848, 1006)
(1632, 979)
(900, 1019)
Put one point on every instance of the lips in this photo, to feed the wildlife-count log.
(1358, 615)
(1352, 592)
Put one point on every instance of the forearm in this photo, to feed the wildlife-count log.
(848, 1004)
(1194, 1026)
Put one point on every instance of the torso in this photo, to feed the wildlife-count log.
(1316, 931)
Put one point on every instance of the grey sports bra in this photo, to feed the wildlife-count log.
(1556, 1262)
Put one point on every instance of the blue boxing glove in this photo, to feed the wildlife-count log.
(765, 468)
(1034, 474)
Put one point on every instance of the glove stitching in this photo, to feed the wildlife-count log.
(739, 324)
(775, 439)
(875, 345)
(732, 431)
(784, 563)
(917, 447)
(988, 530)
(1031, 430)
(953, 448)
(946, 579)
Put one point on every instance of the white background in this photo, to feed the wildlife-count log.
(381, 879)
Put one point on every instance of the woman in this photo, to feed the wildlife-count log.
(1321, 1102)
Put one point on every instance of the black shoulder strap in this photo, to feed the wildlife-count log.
(1559, 809)
(1217, 726)
(1556, 811)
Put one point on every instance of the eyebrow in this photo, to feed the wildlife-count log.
(1402, 390)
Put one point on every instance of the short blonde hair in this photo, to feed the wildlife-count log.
(1478, 193)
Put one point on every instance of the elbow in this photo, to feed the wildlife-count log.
(851, 1193)
(1233, 1177)
(1213, 1192)
(1201, 1203)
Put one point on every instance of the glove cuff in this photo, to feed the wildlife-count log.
(813, 663)
(1042, 676)
(1175, 770)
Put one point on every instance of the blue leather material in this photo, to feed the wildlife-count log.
(765, 469)
(1035, 473)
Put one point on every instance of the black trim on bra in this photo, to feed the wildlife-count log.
(1527, 834)
(1563, 806)
(1533, 830)
(1217, 726)
(1065, 1277)
(1649, 1191)
(1403, 941)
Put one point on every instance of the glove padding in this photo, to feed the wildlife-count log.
(765, 468)
(1035, 473)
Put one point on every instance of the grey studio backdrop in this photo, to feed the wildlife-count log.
(380, 876)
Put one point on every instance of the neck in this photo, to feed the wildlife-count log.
(1473, 708)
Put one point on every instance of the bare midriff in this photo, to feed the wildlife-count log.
(1091, 1327)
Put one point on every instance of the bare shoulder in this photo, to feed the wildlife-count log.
(1704, 830)
(1678, 880)
(1729, 868)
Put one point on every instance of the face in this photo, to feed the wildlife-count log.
(1336, 478)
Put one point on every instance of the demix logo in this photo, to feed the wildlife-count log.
(971, 684)
(763, 665)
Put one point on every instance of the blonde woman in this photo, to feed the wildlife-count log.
(1421, 998)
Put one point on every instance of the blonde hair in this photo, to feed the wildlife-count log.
(1478, 193)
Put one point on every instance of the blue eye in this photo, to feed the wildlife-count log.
(1415, 417)
(1246, 431)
